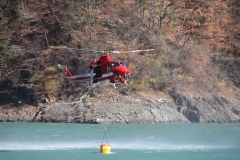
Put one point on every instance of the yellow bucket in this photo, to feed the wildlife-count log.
(105, 149)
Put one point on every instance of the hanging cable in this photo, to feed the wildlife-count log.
(105, 148)
(105, 134)
(105, 127)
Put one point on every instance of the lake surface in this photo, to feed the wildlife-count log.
(55, 141)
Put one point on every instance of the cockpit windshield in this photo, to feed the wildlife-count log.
(115, 64)
(123, 64)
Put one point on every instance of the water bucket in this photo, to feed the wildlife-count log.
(105, 149)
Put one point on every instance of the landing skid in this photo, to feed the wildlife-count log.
(106, 82)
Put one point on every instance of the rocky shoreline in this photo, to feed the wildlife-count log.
(128, 109)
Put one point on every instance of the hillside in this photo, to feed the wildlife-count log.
(195, 67)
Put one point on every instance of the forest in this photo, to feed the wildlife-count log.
(196, 42)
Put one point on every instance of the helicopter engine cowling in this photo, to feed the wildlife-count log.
(121, 70)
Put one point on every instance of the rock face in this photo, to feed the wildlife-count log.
(129, 111)
(18, 114)
(148, 113)
(124, 108)
(214, 109)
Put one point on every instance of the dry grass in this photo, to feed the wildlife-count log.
(52, 85)
(137, 85)
(221, 84)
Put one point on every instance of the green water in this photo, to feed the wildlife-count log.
(43, 141)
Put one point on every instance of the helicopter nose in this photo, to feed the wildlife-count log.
(121, 70)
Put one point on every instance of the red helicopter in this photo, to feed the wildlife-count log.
(105, 70)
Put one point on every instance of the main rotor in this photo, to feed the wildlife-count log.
(105, 52)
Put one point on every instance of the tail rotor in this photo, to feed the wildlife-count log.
(64, 68)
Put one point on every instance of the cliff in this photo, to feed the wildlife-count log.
(124, 107)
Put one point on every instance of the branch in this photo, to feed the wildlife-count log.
(43, 30)
(49, 7)
(113, 24)
(81, 98)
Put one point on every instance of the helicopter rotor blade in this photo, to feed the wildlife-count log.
(112, 52)
(131, 51)
(102, 52)
(77, 49)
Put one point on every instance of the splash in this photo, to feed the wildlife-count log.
(95, 145)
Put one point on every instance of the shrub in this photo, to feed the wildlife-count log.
(180, 77)
(221, 84)
(14, 58)
(51, 69)
(137, 84)
(52, 85)
(152, 80)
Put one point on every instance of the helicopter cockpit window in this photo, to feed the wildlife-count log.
(123, 64)
(115, 64)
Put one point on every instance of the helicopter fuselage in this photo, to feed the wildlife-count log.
(103, 70)
(106, 68)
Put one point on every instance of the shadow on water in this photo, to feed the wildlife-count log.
(6, 151)
(95, 152)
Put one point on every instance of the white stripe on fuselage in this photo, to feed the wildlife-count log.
(107, 75)
(88, 76)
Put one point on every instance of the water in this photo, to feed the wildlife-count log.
(43, 141)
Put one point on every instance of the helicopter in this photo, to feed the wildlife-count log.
(104, 70)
